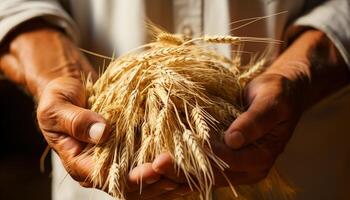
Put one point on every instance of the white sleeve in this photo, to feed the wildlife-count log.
(15, 12)
(333, 18)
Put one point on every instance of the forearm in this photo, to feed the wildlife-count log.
(41, 53)
(315, 64)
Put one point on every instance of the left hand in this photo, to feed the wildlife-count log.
(310, 69)
(260, 134)
(255, 138)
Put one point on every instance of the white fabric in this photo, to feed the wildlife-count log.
(333, 18)
(65, 188)
(15, 12)
(319, 168)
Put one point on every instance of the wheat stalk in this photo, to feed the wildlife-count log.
(176, 95)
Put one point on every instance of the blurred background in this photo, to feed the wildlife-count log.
(21, 148)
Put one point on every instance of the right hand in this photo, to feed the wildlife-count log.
(46, 63)
(49, 66)
(68, 128)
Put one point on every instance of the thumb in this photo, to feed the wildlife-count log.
(258, 120)
(60, 110)
(82, 124)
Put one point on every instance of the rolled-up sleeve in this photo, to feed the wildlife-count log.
(333, 18)
(15, 12)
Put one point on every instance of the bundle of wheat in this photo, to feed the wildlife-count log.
(176, 95)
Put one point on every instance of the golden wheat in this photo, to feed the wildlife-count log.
(177, 95)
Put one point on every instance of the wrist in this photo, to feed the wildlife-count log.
(44, 54)
(314, 65)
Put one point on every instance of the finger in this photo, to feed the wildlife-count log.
(251, 158)
(153, 190)
(143, 174)
(163, 164)
(60, 110)
(81, 123)
(80, 168)
(70, 151)
(261, 116)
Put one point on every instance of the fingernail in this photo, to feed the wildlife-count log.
(236, 139)
(96, 131)
(151, 181)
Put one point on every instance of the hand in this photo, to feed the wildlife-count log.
(260, 134)
(68, 128)
(159, 180)
(275, 101)
(307, 71)
(164, 181)
(46, 63)
(274, 109)
(49, 66)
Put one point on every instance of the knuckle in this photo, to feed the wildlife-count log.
(44, 112)
(46, 115)
(77, 123)
(53, 139)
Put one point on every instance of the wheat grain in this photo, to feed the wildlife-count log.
(222, 39)
(163, 37)
(176, 95)
(202, 127)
